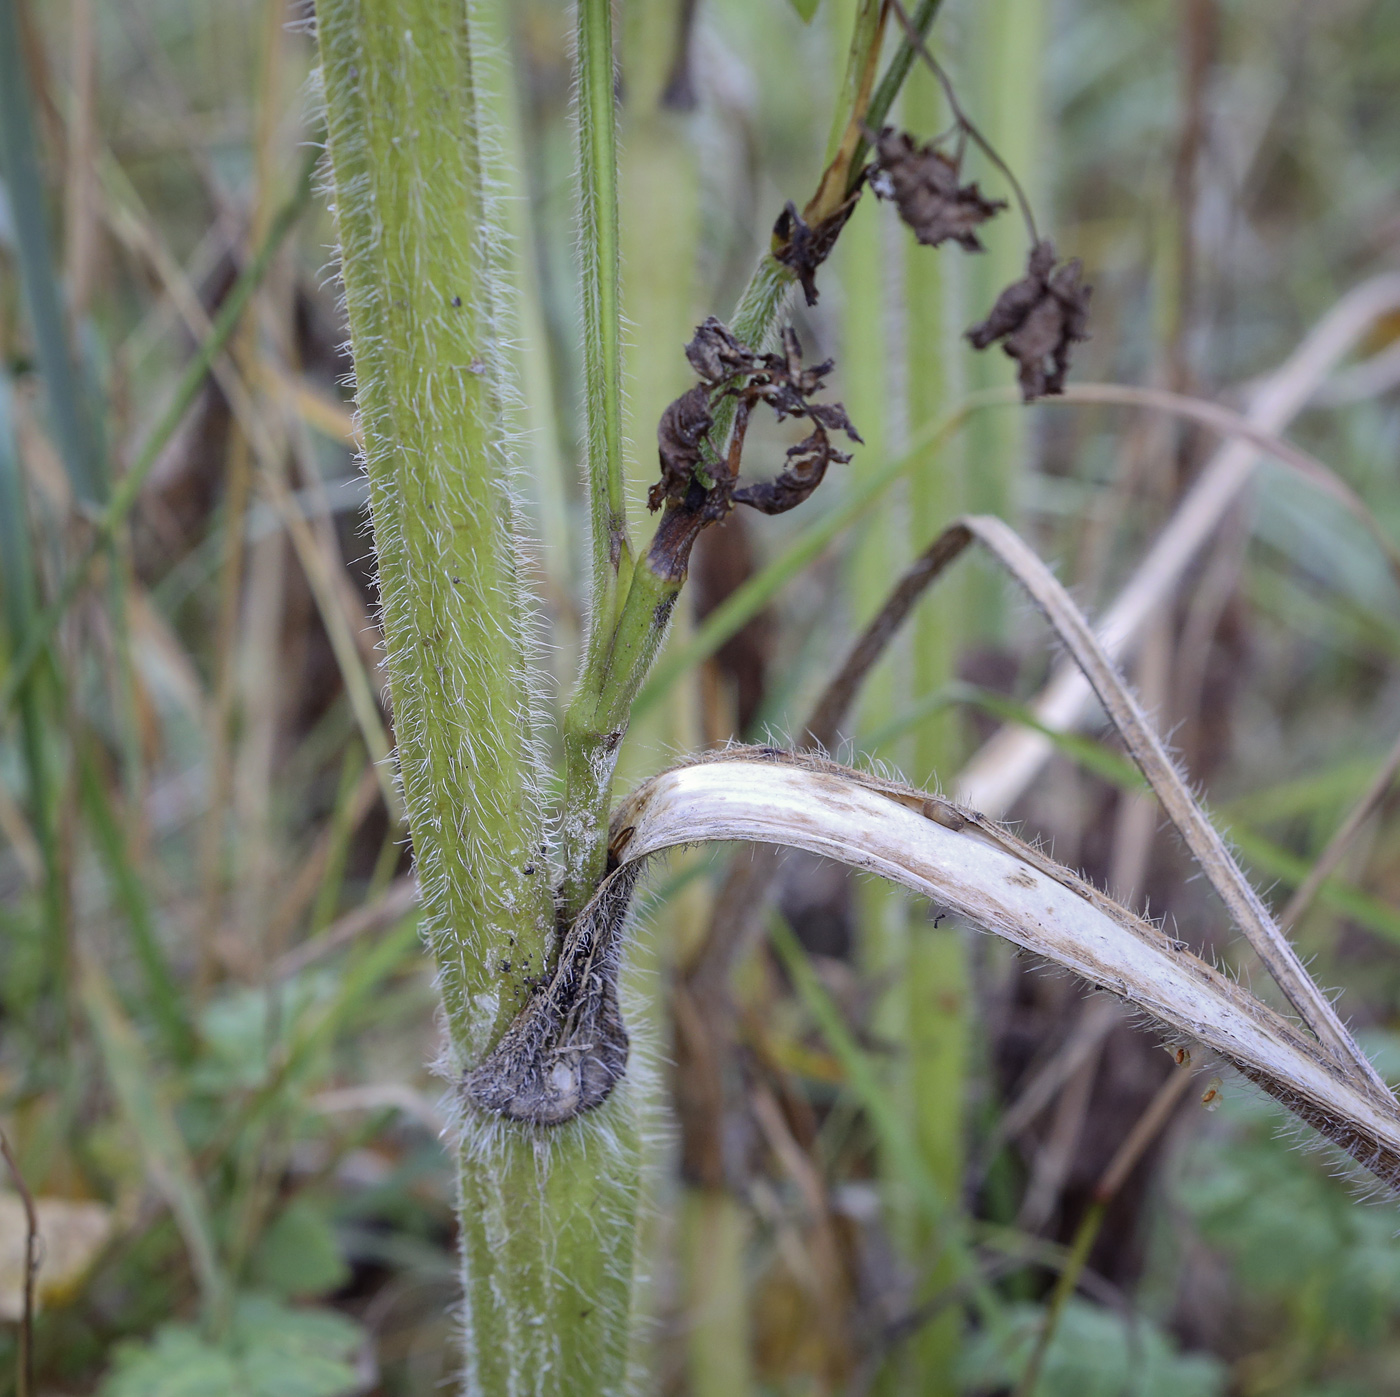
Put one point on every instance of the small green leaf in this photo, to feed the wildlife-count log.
(1094, 1354)
(270, 1351)
(805, 9)
(298, 1255)
(176, 1363)
(284, 1352)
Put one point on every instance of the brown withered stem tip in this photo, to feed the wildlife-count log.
(698, 485)
(1037, 319)
(923, 182)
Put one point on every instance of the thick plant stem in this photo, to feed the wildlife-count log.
(547, 1220)
(422, 290)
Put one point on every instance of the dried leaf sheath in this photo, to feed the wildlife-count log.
(961, 861)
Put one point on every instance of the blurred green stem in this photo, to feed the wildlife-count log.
(935, 984)
(1004, 70)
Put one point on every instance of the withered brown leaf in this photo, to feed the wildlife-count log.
(716, 356)
(923, 182)
(679, 438)
(1037, 319)
(806, 466)
(804, 247)
(698, 483)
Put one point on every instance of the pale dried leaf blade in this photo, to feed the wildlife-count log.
(1148, 751)
(977, 870)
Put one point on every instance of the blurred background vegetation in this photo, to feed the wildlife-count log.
(216, 1018)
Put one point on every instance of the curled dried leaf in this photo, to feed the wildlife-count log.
(680, 438)
(716, 356)
(698, 481)
(806, 466)
(785, 385)
(923, 182)
(803, 247)
(1037, 319)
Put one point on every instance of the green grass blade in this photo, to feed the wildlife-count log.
(861, 1076)
(17, 576)
(134, 1084)
(186, 390)
(16, 557)
(162, 990)
(72, 411)
(1341, 897)
(1091, 754)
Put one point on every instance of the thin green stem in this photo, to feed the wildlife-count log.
(592, 735)
(1086, 1234)
(882, 102)
(602, 315)
(856, 87)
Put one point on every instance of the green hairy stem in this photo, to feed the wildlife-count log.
(418, 241)
(594, 728)
(547, 1213)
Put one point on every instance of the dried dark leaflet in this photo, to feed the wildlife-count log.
(923, 182)
(806, 464)
(679, 437)
(1037, 319)
(803, 247)
(717, 357)
(698, 485)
